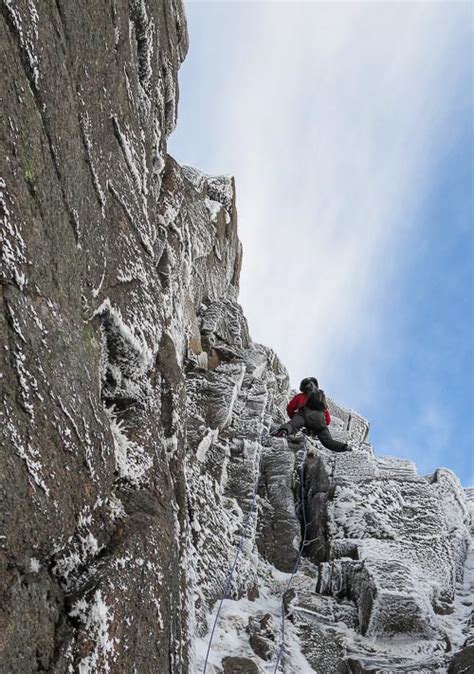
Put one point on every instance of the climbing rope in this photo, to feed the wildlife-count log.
(303, 544)
(232, 568)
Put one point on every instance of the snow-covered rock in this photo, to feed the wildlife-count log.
(136, 469)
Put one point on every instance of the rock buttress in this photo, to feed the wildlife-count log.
(136, 406)
(108, 250)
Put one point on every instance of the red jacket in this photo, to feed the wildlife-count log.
(300, 401)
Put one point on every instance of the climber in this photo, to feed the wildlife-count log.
(309, 409)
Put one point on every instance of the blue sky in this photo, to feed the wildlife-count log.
(348, 128)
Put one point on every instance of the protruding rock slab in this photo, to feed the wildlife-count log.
(279, 529)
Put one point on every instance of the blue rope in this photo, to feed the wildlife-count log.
(231, 571)
(295, 568)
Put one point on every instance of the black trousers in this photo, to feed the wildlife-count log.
(328, 441)
(314, 422)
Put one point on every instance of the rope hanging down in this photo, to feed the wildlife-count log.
(232, 568)
(303, 544)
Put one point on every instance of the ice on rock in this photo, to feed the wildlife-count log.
(35, 565)
(96, 618)
(219, 191)
(207, 442)
(279, 529)
(395, 468)
(138, 468)
(132, 461)
(214, 208)
(388, 544)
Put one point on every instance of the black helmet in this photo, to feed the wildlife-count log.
(308, 384)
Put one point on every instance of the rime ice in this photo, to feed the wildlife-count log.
(136, 406)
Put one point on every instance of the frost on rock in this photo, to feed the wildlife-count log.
(74, 561)
(387, 546)
(12, 242)
(92, 444)
(95, 616)
(222, 477)
(136, 208)
(219, 190)
(144, 30)
(86, 133)
(138, 466)
(131, 459)
(214, 208)
(126, 361)
(25, 25)
(35, 565)
(35, 468)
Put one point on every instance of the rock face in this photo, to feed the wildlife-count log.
(136, 467)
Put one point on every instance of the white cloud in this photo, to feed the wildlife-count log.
(330, 118)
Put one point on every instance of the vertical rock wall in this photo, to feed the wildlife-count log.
(108, 250)
(135, 459)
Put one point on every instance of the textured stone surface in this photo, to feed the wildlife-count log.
(280, 529)
(93, 495)
(136, 467)
(463, 662)
(239, 666)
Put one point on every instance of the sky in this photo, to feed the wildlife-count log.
(348, 129)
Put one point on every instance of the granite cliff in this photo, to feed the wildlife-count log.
(135, 459)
